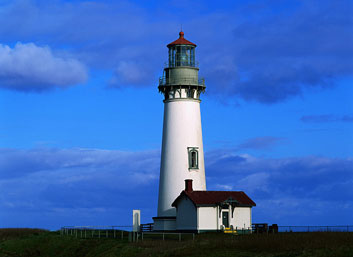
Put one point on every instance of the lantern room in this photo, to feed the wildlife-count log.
(181, 52)
(180, 76)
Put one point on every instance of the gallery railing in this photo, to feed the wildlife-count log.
(163, 81)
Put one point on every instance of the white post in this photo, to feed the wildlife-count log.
(136, 220)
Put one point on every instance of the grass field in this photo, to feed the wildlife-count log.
(36, 242)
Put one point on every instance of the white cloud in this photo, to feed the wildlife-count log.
(301, 190)
(224, 187)
(28, 67)
(254, 182)
(131, 73)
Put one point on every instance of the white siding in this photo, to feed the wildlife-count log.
(181, 129)
(241, 218)
(186, 215)
(207, 218)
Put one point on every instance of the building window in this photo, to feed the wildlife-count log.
(193, 157)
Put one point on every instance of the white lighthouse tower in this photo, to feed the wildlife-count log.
(182, 149)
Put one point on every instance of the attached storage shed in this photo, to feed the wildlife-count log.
(212, 210)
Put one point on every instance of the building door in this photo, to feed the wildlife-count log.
(225, 219)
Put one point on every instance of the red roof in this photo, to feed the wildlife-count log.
(181, 41)
(215, 197)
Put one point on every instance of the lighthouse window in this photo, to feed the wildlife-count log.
(181, 55)
(190, 93)
(192, 57)
(193, 158)
(184, 56)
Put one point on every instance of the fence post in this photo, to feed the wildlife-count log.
(163, 236)
(122, 234)
(85, 233)
(99, 233)
(76, 232)
(347, 228)
(106, 233)
(193, 236)
(141, 236)
(114, 233)
(81, 233)
(92, 232)
(179, 237)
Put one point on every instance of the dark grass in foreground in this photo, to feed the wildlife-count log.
(34, 242)
(8, 233)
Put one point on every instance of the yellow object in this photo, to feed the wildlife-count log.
(229, 231)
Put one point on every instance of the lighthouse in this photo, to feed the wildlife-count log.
(182, 156)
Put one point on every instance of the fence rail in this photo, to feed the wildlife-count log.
(141, 236)
(259, 228)
(343, 228)
(119, 232)
(146, 231)
(146, 227)
(96, 231)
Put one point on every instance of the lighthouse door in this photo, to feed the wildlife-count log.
(225, 219)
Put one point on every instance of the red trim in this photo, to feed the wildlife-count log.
(215, 197)
(181, 41)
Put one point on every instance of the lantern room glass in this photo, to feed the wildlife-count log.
(181, 55)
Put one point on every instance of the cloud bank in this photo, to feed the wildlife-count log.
(289, 48)
(28, 67)
(266, 52)
(55, 187)
(304, 190)
(75, 186)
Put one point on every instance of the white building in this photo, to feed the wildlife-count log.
(183, 158)
(212, 210)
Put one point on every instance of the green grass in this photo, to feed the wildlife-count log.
(35, 242)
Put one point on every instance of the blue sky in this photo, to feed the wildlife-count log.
(81, 116)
